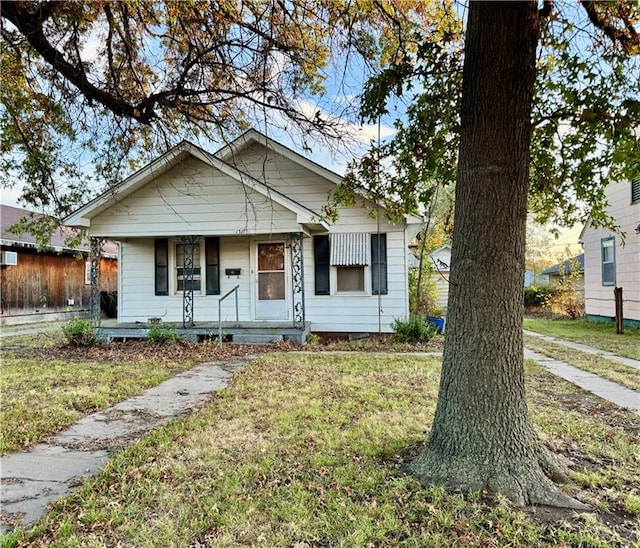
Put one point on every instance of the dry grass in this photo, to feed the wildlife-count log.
(307, 450)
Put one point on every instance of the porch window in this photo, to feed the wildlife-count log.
(608, 249)
(379, 264)
(350, 255)
(161, 253)
(182, 283)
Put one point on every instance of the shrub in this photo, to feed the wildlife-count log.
(79, 332)
(313, 339)
(413, 330)
(159, 334)
(536, 296)
(567, 301)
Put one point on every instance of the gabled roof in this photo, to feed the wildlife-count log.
(10, 215)
(555, 269)
(82, 217)
(252, 136)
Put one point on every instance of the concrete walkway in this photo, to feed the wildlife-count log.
(607, 390)
(31, 480)
(587, 349)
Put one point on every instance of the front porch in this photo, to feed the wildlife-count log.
(247, 332)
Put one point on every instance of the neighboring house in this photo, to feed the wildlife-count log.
(554, 274)
(192, 226)
(612, 259)
(46, 282)
(441, 262)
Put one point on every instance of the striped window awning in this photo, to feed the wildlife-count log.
(350, 249)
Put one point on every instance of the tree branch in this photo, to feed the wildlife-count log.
(627, 37)
(30, 24)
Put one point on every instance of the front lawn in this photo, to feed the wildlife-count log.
(306, 449)
(47, 386)
(596, 334)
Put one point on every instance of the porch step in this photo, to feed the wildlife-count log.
(243, 333)
(255, 338)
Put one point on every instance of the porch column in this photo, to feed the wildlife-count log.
(297, 279)
(189, 244)
(95, 254)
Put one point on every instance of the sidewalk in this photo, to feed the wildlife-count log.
(607, 390)
(587, 349)
(30, 480)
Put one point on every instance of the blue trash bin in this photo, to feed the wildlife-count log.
(436, 322)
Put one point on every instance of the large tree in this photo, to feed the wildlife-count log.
(482, 437)
(547, 112)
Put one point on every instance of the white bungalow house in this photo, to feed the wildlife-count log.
(246, 223)
(612, 259)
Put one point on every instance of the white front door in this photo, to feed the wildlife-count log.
(271, 278)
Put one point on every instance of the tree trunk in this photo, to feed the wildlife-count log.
(482, 438)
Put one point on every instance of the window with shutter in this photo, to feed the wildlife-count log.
(161, 253)
(379, 264)
(350, 255)
(321, 264)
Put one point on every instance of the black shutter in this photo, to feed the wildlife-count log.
(635, 191)
(212, 257)
(379, 264)
(321, 264)
(162, 266)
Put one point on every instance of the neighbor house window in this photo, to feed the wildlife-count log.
(608, 249)
(350, 255)
(182, 254)
(635, 191)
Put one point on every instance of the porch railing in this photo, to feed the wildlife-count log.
(235, 291)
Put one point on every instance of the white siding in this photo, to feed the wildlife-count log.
(137, 300)
(193, 198)
(599, 300)
(360, 313)
(341, 313)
